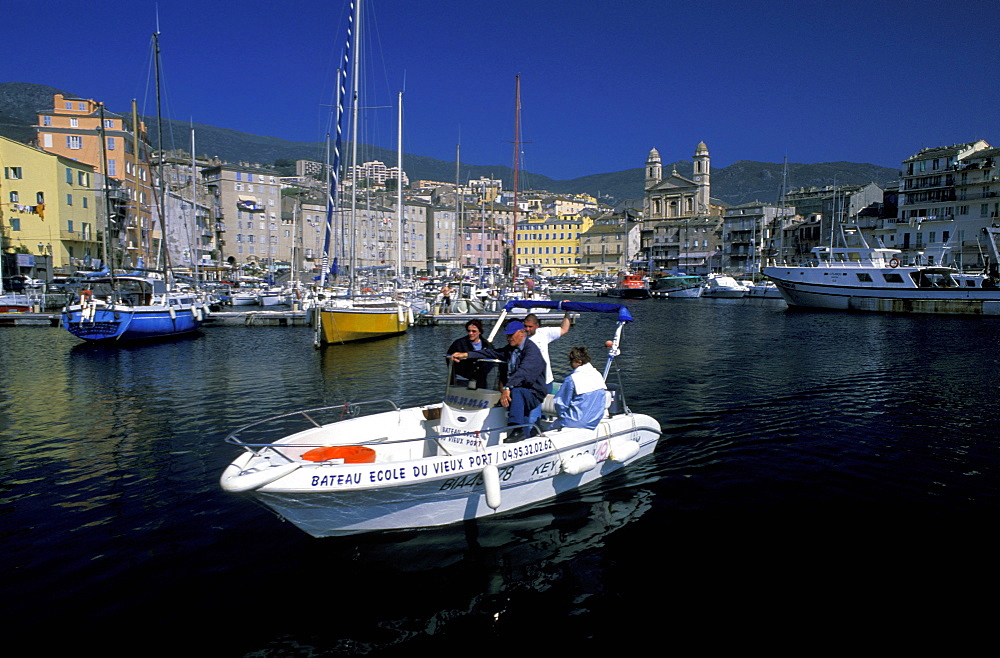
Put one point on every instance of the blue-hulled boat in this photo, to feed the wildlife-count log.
(129, 308)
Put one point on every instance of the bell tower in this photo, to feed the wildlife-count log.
(654, 169)
(702, 173)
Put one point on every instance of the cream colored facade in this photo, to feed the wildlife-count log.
(247, 213)
(49, 206)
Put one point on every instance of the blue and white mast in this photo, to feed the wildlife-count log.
(335, 169)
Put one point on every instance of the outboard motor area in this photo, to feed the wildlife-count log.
(471, 405)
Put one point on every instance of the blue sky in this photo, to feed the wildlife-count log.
(601, 82)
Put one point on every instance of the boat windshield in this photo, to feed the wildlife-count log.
(477, 374)
(933, 279)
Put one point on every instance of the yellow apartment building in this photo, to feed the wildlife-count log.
(551, 244)
(74, 128)
(48, 206)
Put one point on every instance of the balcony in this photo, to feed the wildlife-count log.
(77, 236)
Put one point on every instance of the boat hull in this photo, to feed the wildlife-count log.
(766, 292)
(14, 304)
(127, 323)
(723, 293)
(689, 292)
(345, 325)
(342, 499)
(629, 293)
(799, 292)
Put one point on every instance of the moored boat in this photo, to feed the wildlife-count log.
(433, 464)
(876, 279)
(348, 322)
(128, 308)
(677, 286)
(720, 285)
(12, 302)
(763, 289)
(629, 285)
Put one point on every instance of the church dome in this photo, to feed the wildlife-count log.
(701, 148)
(654, 156)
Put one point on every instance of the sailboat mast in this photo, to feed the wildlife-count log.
(781, 220)
(108, 253)
(195, 251)
(459, 201)
(161, 252)
(517, 158)
(399, 193)
(355, 93)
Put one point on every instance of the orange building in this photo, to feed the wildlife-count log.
(73, 128)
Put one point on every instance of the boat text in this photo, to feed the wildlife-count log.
(474, 479)
(402, 473)
(525, 450)
(460, 401)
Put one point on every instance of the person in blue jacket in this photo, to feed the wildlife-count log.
(525, 387)
(582, 397)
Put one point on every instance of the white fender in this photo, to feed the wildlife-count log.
(236, 481)
(624, 451)
(173, 313)
(491, 480)
(578, 464)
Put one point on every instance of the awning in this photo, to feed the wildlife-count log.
(248, 204)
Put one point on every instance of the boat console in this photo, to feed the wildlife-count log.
(471, 415)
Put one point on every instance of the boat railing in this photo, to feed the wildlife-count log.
(352, 409)
(275, 424)
(846, 263)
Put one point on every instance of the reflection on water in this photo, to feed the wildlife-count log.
(789, 439)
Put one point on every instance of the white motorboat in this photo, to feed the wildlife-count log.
(864, 278)
(677, 286)
(271, 297)
(244, 298)
(764, 289)
(720, 285)
(12, 302)
(434, 464)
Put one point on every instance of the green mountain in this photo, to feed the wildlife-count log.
(740, 182)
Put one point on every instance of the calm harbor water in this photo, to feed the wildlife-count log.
(821, 477)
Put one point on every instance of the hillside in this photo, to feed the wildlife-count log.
(740, 182)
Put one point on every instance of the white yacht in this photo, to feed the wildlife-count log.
(867, 278)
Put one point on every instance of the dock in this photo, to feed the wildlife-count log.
(258, 318)
(30, 319)
(288, 318)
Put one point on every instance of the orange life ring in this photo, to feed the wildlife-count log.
(350, 454)
(893, 262)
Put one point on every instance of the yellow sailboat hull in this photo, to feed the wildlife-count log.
(345, 325)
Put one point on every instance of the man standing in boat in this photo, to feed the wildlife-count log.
(525, 387)
(542, 336)
(446, 298)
